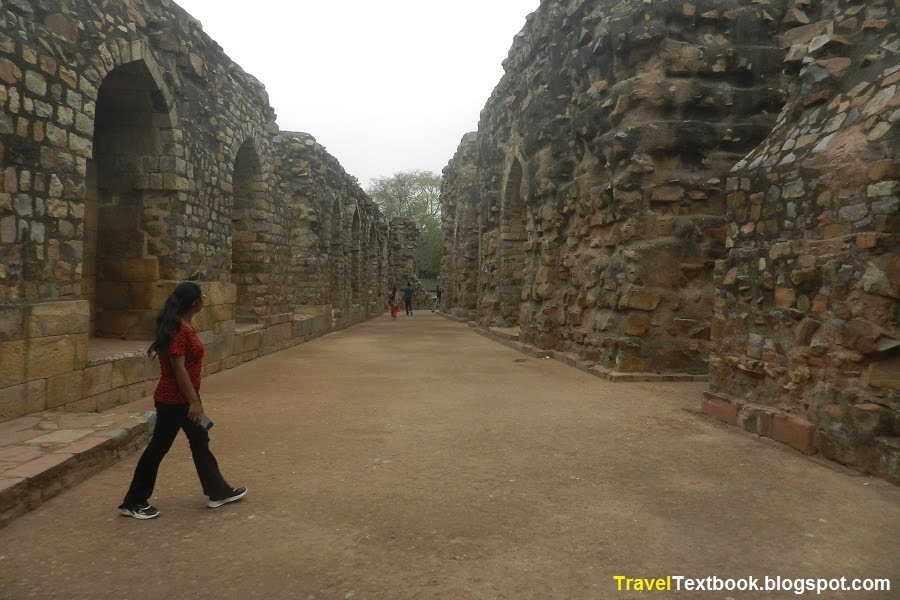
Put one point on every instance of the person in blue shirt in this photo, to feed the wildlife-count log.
(407, 297)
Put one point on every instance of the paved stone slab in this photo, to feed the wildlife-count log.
(46, 453)
(19, 453)
(84, 445)
(65, 436)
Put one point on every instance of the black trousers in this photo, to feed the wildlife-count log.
(169, 419)
(408, 303)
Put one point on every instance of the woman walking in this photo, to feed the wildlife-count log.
(178, 406)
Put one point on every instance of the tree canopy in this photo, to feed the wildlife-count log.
(414, 194)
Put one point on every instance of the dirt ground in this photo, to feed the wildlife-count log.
(417, 459)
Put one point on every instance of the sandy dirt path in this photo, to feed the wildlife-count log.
(416, 459)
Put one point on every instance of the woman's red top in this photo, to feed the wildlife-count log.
(184, 342)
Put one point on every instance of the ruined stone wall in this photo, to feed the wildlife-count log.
(135, 154)
(323, 201)
(459, 231)
(805, 329)
(404, 238)
(701, 181)
(136, 151)
(601, 159)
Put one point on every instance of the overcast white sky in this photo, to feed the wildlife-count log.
(385, 86)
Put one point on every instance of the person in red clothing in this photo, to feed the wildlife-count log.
(178, 406)
(392, 303)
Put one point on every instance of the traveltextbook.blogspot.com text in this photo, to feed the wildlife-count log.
(713, 583)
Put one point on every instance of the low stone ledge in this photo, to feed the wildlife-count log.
(765, 421)
(576, 362)
(80, 446)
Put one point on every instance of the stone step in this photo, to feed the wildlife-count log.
(46, 453)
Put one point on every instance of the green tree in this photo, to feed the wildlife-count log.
(414, 194)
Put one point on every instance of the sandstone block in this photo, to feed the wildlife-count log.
(114, 397)
(640, 300)
(58, 318)
(632, 364)
(637, 324)
(129, 371)
(719, 408)
(12, 402)
(96, 380)
(252, 341)
(796, 432)
(885, 373)
(667, 193)
(49, 356)
(220, 293)
(12, 362)
(784, 297)
(219, 313)
(12, 322)
(64, 389)
(81, 350)
(83, 405)
(157, 293)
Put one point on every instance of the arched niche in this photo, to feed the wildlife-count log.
(512, 244)
(250, 263)
(335, 257)
(356, 259)
(130, 184)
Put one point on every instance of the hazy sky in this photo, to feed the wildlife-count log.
(385, 86)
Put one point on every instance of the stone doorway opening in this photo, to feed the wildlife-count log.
(373, 270)
(334, 256)
(513, 236)
(129, 184)
(249, 261)
(356, 259)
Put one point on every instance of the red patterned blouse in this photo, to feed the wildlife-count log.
(184, 342)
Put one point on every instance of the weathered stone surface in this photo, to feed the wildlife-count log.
(744, 171)
(825, 300)
(598, 170)
(136, 154)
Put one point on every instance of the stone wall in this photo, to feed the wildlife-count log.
(693, 187)
(805, 333)
(330, 213)
(591, 201)
(136, 154)
(404, 238)
(459, 232)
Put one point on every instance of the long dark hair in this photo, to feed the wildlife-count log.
(183, 299)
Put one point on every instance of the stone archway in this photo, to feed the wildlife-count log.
(335, 255)
(356, 259)
(373, 269)
(130, 183)
(512, 245)
(250, 264)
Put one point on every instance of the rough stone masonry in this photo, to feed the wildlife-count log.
(136, 154)
(708, 186)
